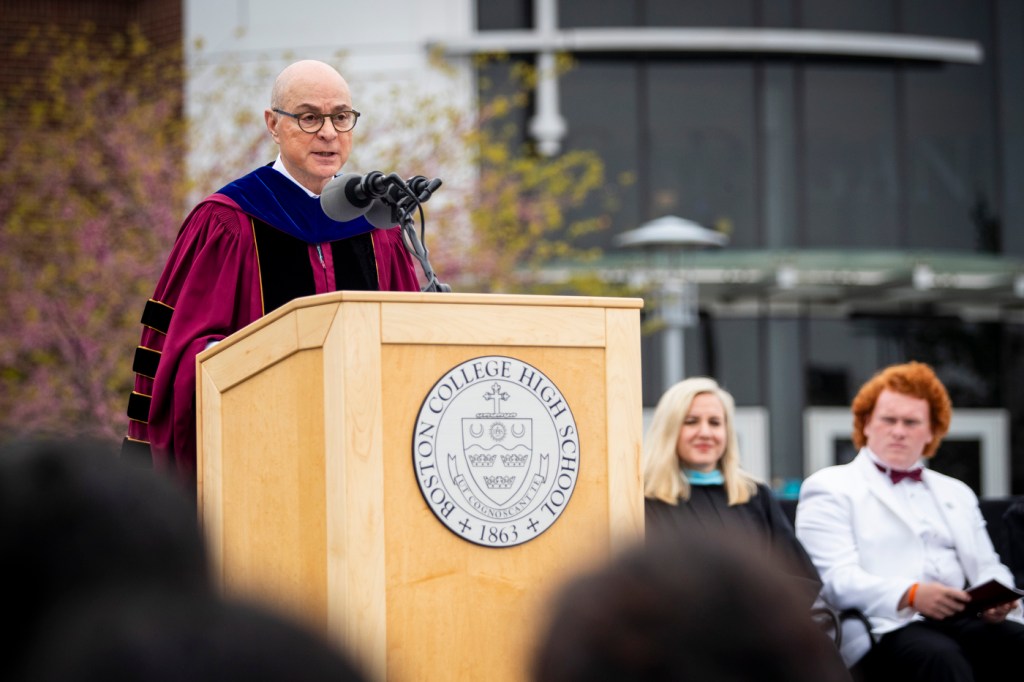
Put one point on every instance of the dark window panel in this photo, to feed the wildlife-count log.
(730, 13)
(703, 157)
(967, 19)
(779, 13)
(953, 197)
(850, 183)
(1008, 54)
(844, 15)
(951, 182)
(738, 358)
(506, 15)
(599, 14)
(601, 99)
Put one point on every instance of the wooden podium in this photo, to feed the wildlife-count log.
(313, 500)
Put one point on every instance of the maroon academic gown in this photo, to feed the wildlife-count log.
(227, 268)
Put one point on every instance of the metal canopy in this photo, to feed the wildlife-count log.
(765, 41)
(972, 285)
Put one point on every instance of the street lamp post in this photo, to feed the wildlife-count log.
(668, 239)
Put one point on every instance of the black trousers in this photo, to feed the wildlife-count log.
(964, 649)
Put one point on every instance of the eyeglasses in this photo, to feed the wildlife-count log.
(310, 122)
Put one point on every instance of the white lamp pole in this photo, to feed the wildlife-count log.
(670, 238)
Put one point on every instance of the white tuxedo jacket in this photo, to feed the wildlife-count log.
(868, 551)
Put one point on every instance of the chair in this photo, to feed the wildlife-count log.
(858, 615)
(829, 620)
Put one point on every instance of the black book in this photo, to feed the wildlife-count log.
(991, 593)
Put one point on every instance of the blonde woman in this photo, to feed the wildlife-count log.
(694, 484)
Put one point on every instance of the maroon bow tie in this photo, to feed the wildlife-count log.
(897, 476)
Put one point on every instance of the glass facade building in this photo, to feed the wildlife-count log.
(865, 159)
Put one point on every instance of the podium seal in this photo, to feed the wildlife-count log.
(496, 451)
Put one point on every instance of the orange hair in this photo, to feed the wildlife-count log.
(914, 379)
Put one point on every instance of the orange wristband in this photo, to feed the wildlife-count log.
(910, 595)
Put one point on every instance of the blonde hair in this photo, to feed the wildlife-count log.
(663, 479)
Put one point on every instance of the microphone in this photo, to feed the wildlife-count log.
(386, 201)
(350, 195)
(381, 215)
(383, 199)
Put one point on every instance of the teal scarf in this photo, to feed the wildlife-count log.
(704, 477)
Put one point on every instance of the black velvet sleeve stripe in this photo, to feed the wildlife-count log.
(157, 315)
(138, 407)
(136, 451)
(146, 361)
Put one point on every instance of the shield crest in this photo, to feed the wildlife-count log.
(497, 452)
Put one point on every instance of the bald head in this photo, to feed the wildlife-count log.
(303, 76)
(310, 87)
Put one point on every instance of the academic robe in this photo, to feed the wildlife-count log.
(244, 251)
(761, 520)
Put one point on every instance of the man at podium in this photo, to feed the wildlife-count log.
(255, 244)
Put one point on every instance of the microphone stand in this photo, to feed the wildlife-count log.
(401, 212)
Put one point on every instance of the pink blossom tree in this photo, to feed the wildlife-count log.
(90, 197)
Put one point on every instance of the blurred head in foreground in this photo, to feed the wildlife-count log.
(701, 610)
(75, 522)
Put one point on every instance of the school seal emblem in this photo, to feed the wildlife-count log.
(496, 451)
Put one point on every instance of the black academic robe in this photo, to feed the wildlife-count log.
(761, 519)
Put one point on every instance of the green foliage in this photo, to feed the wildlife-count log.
(502, 214)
